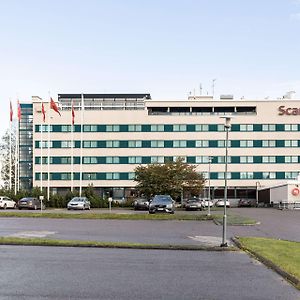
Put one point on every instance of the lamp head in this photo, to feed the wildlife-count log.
(227, 121)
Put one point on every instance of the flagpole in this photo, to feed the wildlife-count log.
(18, 144)
(10, 164)
(16, 153)
(72, 146)
(41, 169)
(81, 138)
(48, 156)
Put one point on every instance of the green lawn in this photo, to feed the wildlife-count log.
(285, 254)
(101, 244)
(234, 220)
(115, 216)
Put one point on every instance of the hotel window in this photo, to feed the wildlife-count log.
(111, 128)
(181, 157)
(157, 159)
(221, 143)
(291, 127)
(246, 143)
(65, 176)
(221, 175)
(157, 144)
(291, 159)
(269, 175)
(65, 160)
(220, 127)
(269, 159)
(112, 160)
(179, 144)
(291, 175)
(202, 144)
(291, 143)
(113, 176)
(131, 175)
(65, 128)
(268, 143)
(66, 144)
(157, 128)
(246, 175)
(179, 127)
(246, 159)
(89, 176)
(246, 127)
(134, 144)
(135, 159)
(268, 127)
(89, 144)
(134, 128)
(112, 144)
(201, 127)
(201, 159)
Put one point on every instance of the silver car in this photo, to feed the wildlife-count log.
(194, 204)
(79, 203)
(162, 203)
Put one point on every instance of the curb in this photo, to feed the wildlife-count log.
(267, 263)
(79, 244)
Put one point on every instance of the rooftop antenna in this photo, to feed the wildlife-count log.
(200, 89)
(213, 86)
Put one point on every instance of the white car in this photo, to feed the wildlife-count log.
(206, 202)
(6, 202)
(220, 203)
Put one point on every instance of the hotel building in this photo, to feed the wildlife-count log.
(114, 133)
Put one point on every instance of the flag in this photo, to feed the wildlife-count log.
(11, 112)
(43, 112)
(73, 114)
(54, 106)
(19, 111)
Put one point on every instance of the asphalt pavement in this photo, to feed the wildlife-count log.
(83, 273)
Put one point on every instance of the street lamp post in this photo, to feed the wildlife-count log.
(209, 163)
(257, 183)
(227, 127)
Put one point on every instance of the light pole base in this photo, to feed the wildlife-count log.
(224, 245)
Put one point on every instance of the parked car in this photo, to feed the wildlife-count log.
(194, 204)
(247, 202)
(6, 202)
(205, 202)
(162, 203)
(221, 202)
(141, 203)
(79, 203)
(30, 203)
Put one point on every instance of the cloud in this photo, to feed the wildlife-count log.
(295, 17)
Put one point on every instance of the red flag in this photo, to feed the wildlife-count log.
(43, 112)
(11, 112)
(54, 106)
(73, 114)
(19, 111)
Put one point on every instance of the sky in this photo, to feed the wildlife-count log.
(163, 47)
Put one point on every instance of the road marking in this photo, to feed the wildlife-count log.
(208, 240)
(36, 234)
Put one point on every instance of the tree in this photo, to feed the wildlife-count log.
(169, 178)
(5, 159)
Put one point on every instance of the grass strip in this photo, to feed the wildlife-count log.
(234, 220)
(96, 244)
(281, 255)
(113, 216)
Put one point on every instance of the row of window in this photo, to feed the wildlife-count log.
(164, 159)
(168, 127)
(170, 144)
(131, 175)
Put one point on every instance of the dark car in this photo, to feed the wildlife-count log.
(141, 203)
(194, 204)
(30, 203)
(162, 203)
(247, 202)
